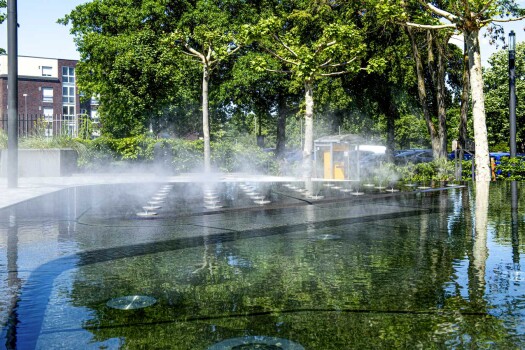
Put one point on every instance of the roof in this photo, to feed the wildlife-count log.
(345, 138)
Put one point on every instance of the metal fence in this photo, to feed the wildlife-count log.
(49, 126)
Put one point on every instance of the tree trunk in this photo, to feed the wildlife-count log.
(421, 89)
(205, 119)
(440, 97)
(281, 125)
(462, 134)
(483, 172)
(437, 73)
(389, 109)
(308, 130)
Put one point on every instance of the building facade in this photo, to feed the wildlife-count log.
(48, 96)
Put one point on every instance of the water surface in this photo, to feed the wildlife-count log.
(420, 270)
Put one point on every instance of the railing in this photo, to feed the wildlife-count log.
(47, 126)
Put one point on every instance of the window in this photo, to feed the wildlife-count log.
(48, 113)
(94, 116)
(48, 121)
(68, 94)
(47, 71)
(68, 111)
(68, 74)
(47, 94)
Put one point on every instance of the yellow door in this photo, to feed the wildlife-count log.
(339, 170)
(327, 170)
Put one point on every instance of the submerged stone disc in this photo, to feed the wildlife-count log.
(315, 197)
(131, 302)
(327, 237)
(151, 207)
(146, 214)
(256, 342)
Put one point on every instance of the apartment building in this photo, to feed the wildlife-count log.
(47, 91)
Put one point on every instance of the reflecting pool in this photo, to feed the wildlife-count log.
(426, 269)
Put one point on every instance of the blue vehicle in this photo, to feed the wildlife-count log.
(466, 155)
(413, 156)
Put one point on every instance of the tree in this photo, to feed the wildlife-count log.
(249, 93)
(144, 58)
(206, 33)
(124, 61)
(468, 17)
(313, 40)
(497, 99)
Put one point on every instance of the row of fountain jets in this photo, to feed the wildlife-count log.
(212, 200)
(210, 196)
(155, 202)
(355, 192)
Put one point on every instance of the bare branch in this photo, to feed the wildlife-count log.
(431, 26)
(335, 73)
(279, 57)
(189, 54)
(440, 12)
(326, 63)
(503, 20)
(276, 37)
(342, 64)
(234, 50)
(210, 51)
(195, 52)
(485, 8)
(331, 43)
(277, 71)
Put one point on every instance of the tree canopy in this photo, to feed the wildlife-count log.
(3, 16)
(230, 66)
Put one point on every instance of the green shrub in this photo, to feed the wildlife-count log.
(466, 174)
(186, 155)
(3, 139)
(177, 155)
(437, 170)
(511, 169)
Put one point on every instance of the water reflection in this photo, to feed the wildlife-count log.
(479, 247)
(515, 226)
(13, 283)
(387, 279)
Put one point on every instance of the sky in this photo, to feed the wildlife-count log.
(39, 35)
